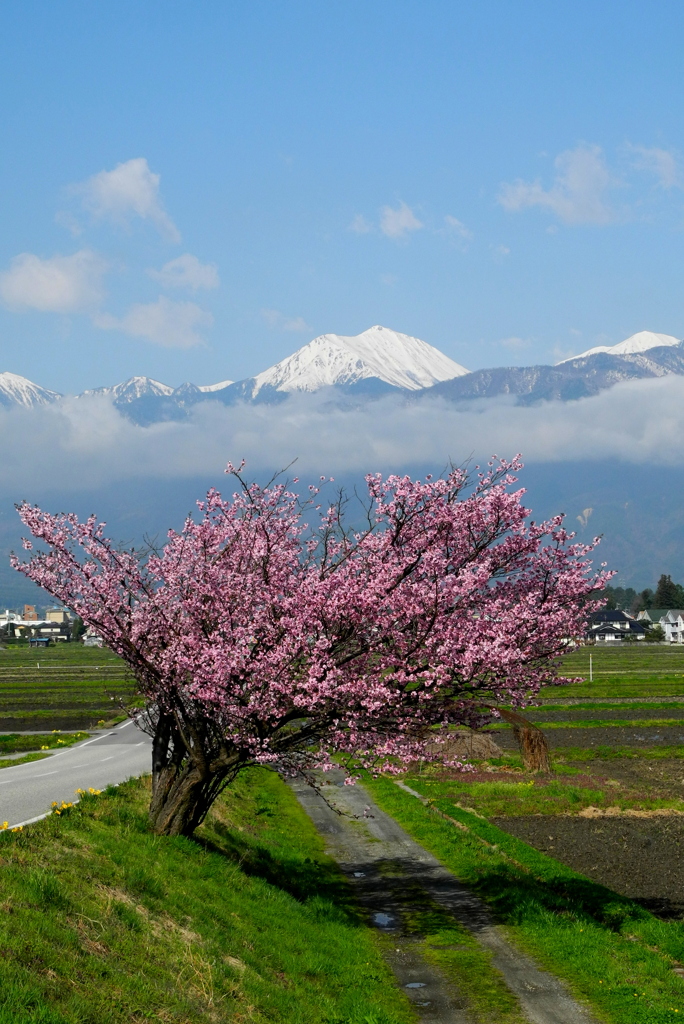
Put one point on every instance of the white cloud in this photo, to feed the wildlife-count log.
(577, 195)
(659, 162)
(166, 323)
(186, 271)
(500, 251)
(131, 189)
(360, 225)
(458, 228)
(396, 223)
(278, 321)
(60, 284)
(87, 439)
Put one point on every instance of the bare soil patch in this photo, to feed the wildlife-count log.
(661, 778)
(608, 736)
(642, 858)
(543, 714)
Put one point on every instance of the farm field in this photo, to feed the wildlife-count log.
(63, 687)
(619, 820)
(581, 866)
(635, 670)
(71, 687)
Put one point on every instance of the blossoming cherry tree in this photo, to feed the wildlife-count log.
(259, 639)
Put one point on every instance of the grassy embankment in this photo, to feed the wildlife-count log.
(103, 923)
(615, 956)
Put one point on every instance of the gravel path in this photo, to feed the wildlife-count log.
(362, 845)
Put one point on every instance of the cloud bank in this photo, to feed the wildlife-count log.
(87, 441)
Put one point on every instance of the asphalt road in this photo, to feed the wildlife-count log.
(27, 791)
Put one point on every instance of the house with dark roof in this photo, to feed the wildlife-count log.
(614, 626)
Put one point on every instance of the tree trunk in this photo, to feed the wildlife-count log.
(531, 740)
(185, 780)
(181, 798)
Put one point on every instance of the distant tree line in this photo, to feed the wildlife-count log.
(666, 595)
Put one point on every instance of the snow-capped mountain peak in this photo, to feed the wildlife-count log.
(134, 387)
(214, 387)
(397, 359)
(16, 390)
(640, 342)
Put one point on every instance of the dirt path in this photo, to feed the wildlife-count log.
(362, 847)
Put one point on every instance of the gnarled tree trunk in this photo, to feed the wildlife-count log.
(187, 775)
(181, 798)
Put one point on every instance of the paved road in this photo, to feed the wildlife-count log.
(27, 791)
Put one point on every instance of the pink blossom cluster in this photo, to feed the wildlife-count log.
(300, 643)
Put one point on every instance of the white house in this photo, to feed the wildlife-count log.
(673, 625)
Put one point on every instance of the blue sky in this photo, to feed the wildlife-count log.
(192, 191)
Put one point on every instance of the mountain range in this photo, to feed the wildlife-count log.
(378, 362)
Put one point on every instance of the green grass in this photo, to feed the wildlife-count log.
(448, 945)
(14, 743)
(69, 683)
(103, 923)
(536, 796)
(469, 967)
(613, 753)
(630, 671)
(563, 757)
(11, 762)
(614, 955)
